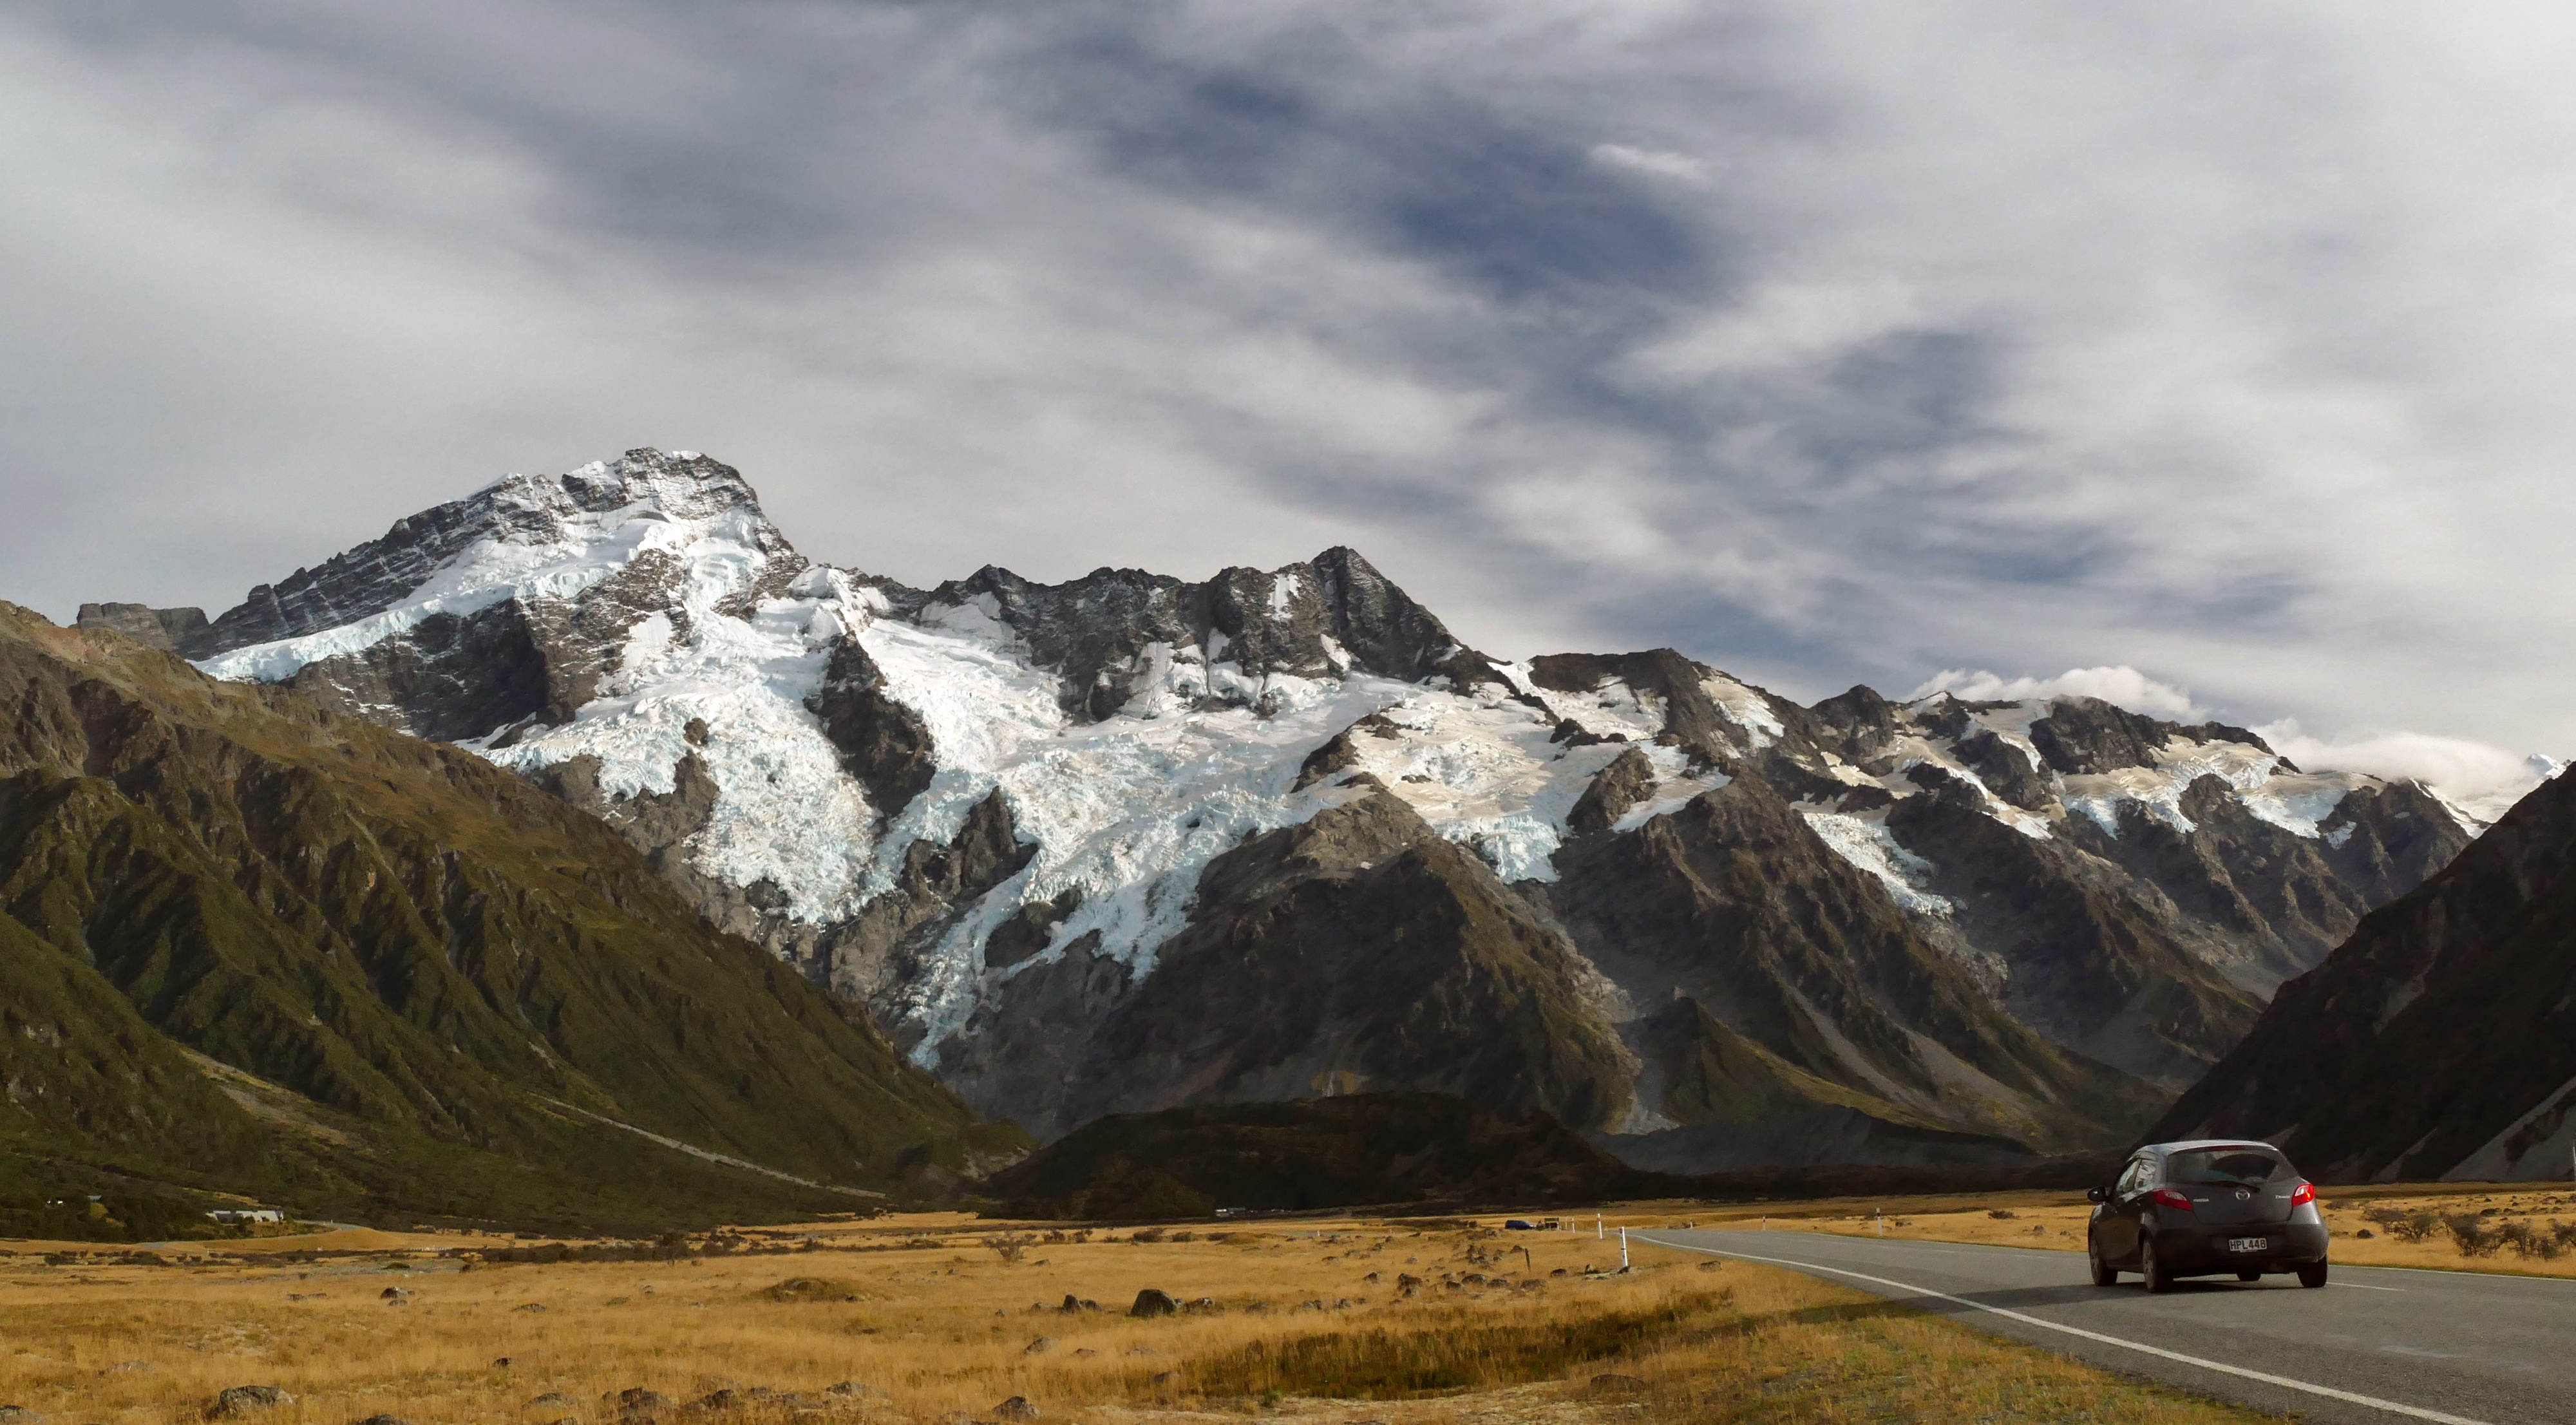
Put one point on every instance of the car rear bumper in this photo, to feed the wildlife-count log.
(2192, 1249)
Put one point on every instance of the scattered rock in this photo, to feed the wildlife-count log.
(1016, 1408)
(1371, 1277)
(718, 1400)
(384, 1420)
(247, 1400)
(622, 1300)
(531, 1306)
(1561, 1271)
(538, 1402)
(1039, 1346)
(1072, 1302)
(1151, 1302)
(1085, 1351)
(1617, 1384)
(2365, 1234)
(637, 1404)
(19, 1415)
(501, 1363)
(855, 1388)
(1206, 1304)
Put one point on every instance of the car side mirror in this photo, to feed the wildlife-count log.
(2097, 1194)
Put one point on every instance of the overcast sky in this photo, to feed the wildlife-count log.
(2224, 351)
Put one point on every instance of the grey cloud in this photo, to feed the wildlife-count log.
(1829, 345)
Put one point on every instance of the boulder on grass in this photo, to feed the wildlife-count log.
(242, 1400)
(1151, 1302)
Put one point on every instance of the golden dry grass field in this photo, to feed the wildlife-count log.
(920, 1319)
(2055, 1221)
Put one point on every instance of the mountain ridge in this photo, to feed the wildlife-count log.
(994, 812)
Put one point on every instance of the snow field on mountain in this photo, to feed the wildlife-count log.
(1131, 809)
(1745, 708)
(1612, 707)
(2295, 802)
(1862, 838)
(785, 812)
(548, 547)
(1480, 769)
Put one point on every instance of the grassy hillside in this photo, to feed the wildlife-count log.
(437, 990)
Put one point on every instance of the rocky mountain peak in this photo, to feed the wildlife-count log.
(1115, 634)
(523, 535)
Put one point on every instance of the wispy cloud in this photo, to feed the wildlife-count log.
(2126, 687)
(2481, 780)
(1828, 343)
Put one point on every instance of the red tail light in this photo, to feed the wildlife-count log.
(2173, 1198)
(2303, 1194)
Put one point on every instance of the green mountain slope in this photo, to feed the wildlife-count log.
(461, 982)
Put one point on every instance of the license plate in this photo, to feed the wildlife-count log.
(2248, 1244)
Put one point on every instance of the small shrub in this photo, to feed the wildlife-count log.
(2405, 1226)
(2001, 1214)
(1010, 1246)
(2470, 1233)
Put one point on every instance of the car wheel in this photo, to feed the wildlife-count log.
(2249, 1276)
(2313, 1274)
(2104, 1274)
(2152, 1267)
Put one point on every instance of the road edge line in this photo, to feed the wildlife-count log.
(2266, 1377)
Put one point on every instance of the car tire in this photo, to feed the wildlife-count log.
(2312, 1275)
(2249, 1276)
(2104, 1274)
(2152, 1267)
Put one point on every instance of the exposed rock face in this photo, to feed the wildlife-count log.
(1355, 950)
(1734, 903)
(1131, 841)
(2440, 1040)
(882, 742)
(1112, 633)
(164, 629)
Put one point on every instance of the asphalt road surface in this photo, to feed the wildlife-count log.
(2377, 1344)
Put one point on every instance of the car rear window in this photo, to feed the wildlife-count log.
(2246, 1167)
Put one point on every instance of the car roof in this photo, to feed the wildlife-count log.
(2190, 1144)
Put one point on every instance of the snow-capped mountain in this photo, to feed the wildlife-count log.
(1130, 841)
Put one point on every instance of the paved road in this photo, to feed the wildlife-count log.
(2378, 1344)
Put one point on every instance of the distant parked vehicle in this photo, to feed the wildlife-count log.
(2203, 1208)
(1518, 1225)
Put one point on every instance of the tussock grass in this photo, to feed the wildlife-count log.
(2526, 1229)
(946, 1330)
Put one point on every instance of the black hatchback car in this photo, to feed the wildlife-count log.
(2206, 1207)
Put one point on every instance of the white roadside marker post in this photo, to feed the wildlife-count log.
(1623, 1249)
(1881, 1214)
(1597, 1233)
